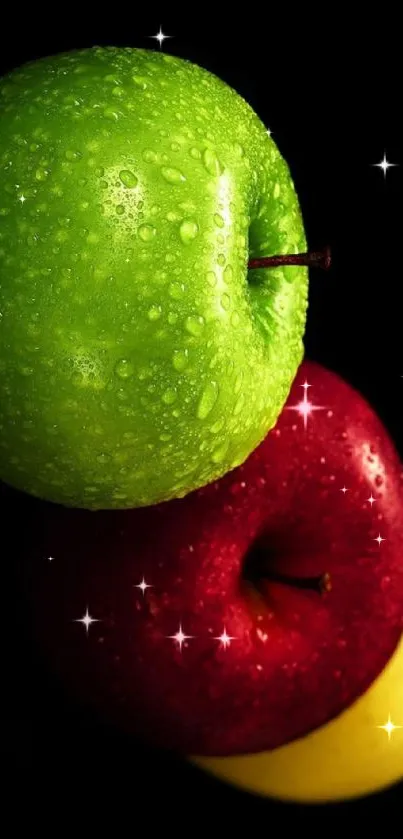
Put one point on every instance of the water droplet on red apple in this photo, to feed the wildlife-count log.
(379, 481)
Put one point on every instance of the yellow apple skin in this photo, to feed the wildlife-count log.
(348, 758)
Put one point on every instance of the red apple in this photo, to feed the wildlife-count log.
(321, 495)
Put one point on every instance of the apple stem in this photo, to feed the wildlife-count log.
(321, 584)
(313, 259)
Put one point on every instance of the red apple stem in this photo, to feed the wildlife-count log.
(321, 584)
(312, 259)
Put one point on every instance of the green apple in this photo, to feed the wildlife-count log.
(139, 359)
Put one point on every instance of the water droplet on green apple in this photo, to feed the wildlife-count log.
(176, 290)
(140, 82)
(235, 319)
(180, 360)
(124, 368)
(195, 153)
(211, 278)
(128, 178)
(211, 162)
(165, 437)
(111, 114)
(219, 453)
(120, 210)
(147, 232)
(175, 147)
(239, 404)
(207, 400)
(103, 457)
(72, 155)
(169, 396)
(239, 150)
(149, 156)
(221, 259)
(217, 426)
(188, 231)
(218, 220)
(228, 274)
(154, 313)
(172, 176)
(194, 324)
(238, 382)
(225, 301)
(276, 191)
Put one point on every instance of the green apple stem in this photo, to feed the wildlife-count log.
(312, 259)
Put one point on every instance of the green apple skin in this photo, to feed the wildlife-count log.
(139, 359)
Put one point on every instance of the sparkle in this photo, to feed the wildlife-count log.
(224, 639)
(344, 490)
(371, 500)
(160, 37)
(143, 586)
(379, 539)
(268, 132)
(384, 165)
(22, 199)
(86, 620)
(389, 727)
(305, 407)
(180, 637)
(50, 558)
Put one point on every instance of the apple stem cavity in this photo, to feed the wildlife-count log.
(312, 259)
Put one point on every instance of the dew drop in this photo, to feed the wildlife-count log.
(169, 396)
(238, 382)
(211, 278)
(219, 454)
(128, 178)
(239, 405)
(217, 426)
(195, 153)
(147, 232)
(154, 313)
(149, 156)
(188, 231)
(218, 220)
(172, 176)
(211, 162)
(239, 150)
(225, 301)
(207, 400)
(221, 259)
(228, 274)
(176, 290)
(194, 325)
(120, 210)
(103, 458)
(180, 360)
(124, 368)
(140, 82)
(235, 319)
(276, 191)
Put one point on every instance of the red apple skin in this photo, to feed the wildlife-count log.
(298, 658)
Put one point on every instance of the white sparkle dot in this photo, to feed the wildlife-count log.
(344, 490)
(86, 620)
(389, 727)
(385, 165)
(371, 500)
(143, 586)
(160, 37)
(22, 199)
(180, 637)
(224, 638)
(305, 408)
(379, 539)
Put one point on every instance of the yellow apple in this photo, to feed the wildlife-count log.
(351, 756)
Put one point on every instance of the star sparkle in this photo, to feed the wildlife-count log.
(384, 165)
(305, 408)
(224, 639)
(143, 586)
(87, 620)
(180, 637)
(160, 37)
(50, 558)
(371, 500)
(22, 199)
(379, 539)
(344, 490)
(389, 727)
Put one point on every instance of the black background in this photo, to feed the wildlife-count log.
(329, 94)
